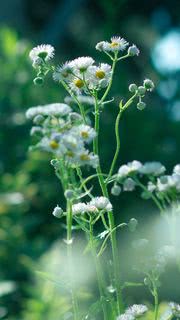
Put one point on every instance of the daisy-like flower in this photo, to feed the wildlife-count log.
(82, 99)
(166, 183)
(79, 208)
(175, 308)
(116, 44)
(43, 51)
(176, 169)
(84, 157)
(137, 310)
(152, 168)
(125, 317)
(63, 72)
(77, 85)
(51, 145)
(85, 132)
(53, 109)
(131, 167)
(101, 203)
(82, 63)
(99, 76)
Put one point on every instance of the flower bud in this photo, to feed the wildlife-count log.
(38, 119)
(132, 224)
(57, 212)
(38, 81)
(141, 105)
(149, 85)
(116, 190)
(141, 90)
(36, 131)
(69, 194)
(54, 163)
(133, 51)
(133, 87)
(147, 282)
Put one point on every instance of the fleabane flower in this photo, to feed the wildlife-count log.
(137, 310)
(85, 157)
(116, 44)
(85, 132)
(77, 85)
(125, 317)
(130, 168)
(52, 109)
(81, 64)
(101, 203)
(43, 51)
(176, 169)
(152, 168)
(166, 183)
(79, 208)
(99, 76)
(175, 308)
(63, 72)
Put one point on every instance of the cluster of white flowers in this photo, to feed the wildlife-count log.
(133, 312)
(63, 134)
(95, 205)
(43, 52)
(175, 309)
(82, 75)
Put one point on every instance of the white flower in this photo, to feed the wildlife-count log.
(77, 85)
(133, 50)
(152, 168)
(116, 44)
(101, 45)
(63, 72)
(43, 51)
(82, 63)
(82, 99)
(53, 109)
(165, 183)
(79, 208)
(101, 203)
(125, 317)
(137, 310)
(85, 132)
(151, 186)
(126, 169)
(129, 184)
(84, 157)
(98, 76)
(175, 308)
(51, 145)
(177, 169)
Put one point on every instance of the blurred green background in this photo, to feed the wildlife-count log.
(29, 188)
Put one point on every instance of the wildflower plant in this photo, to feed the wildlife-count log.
(69, 131)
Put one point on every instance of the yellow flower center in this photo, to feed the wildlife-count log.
(100, 74)
(84, 157)
(84, 134)
(114, 44)
(53, 144)
(70, 154)
(78, 83)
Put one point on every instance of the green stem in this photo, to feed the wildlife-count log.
(101, 282)
(110, 82)
(70, 262)
(102, 183)
(117, 144)
(156, 304)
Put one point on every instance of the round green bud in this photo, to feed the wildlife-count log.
(39, 119)
(141, 90)
(141, 105)
(69, 194)
(38, 81)
(149, 85)
(132, 225)
(57, 212)
(116, 190)
(133, 88)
